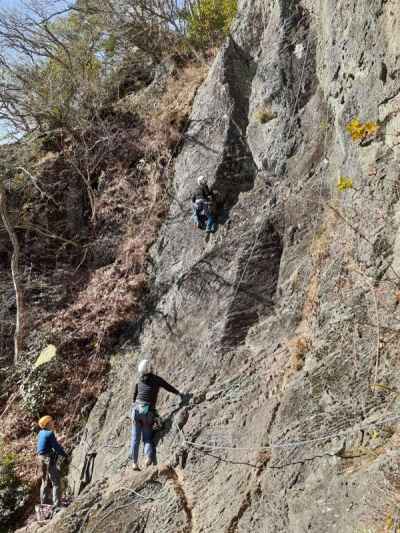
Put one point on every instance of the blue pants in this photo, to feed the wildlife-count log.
(202, 207)
(142, 426)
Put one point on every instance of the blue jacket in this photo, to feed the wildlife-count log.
(47, 442)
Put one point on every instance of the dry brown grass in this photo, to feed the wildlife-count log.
(165, 110)
(298, 348)
(264, 114)
(262, 460)
(166, 122)
(129, 210)
(114, 293)
(311, 302)
(299, 345)
(319, 249)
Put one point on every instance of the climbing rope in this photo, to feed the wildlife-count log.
(300, 86)
(248, 261)
(291, 444)
(290, 130)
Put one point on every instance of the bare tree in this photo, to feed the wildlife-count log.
(42, 64)
(157, 27)
(20, 325)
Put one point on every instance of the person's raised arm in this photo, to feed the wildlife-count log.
(165, 385)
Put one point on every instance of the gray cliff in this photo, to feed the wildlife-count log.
(284, 325)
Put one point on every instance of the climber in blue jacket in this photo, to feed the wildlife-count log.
(48, 449)
(143, 412)
(202, 211)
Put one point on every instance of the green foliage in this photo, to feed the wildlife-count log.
(110, 45)
(36, 392)
(209, 21)
(12, 493)
(7, 468)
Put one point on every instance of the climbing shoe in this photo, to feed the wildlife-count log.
(135, 467)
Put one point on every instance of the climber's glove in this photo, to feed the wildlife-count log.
(185, 397)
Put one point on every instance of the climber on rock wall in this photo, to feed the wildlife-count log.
(202, 200)
(49, 449)
(143, 411)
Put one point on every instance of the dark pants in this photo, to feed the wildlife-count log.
(142, 426)
(50, 477)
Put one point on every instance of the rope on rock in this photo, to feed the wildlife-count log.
(293, 444)
(289, 133)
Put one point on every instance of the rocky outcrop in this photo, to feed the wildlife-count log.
(284, 325)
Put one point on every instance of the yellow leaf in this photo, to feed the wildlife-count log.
(355, 123)
(354, 128)
(371, 128)
(344, 183)
(389, 522)
(359, 131)
(46, 355)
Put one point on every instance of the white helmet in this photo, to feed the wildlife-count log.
(145, 367)
(201, 180)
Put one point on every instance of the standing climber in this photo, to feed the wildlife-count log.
(48, 449)
(202, 198)
(143, 412)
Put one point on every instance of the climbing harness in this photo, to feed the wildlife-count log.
(143, 408)
(201, 213)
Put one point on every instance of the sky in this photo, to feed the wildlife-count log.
(17, 3)
(10, 3)
(7, 4)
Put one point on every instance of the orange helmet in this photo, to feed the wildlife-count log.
(45, 421)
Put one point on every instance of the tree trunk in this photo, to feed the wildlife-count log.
(16, 277)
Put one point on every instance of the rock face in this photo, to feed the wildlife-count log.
(284, 325)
